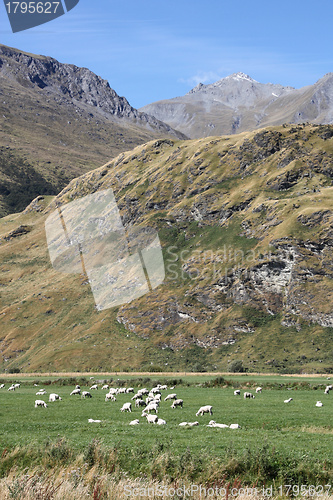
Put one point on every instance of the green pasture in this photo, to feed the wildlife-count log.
(297, 434)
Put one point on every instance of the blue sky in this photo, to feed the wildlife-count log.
(158, 49)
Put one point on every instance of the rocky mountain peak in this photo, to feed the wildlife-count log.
(68, 82)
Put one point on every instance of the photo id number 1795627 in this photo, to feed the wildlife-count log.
(32, 7)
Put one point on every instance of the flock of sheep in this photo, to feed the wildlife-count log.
(149, 401)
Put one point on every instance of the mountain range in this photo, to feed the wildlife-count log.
(238, 103)
(57, 122)
(245, 222)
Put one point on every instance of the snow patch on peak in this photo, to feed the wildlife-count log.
(240, 76)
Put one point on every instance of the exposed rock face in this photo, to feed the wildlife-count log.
(238, 103)
(71, 82)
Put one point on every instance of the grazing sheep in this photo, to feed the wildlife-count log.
(160, 421)
(155, 390)
(90, 420)
(139, 402)
(163, 387)
(110, 397)
(54, 397)
(328, 389)
(135, 422)
(205, 409)
(126, 407)
(11, 388)
(42, 392)
(237, 392)
(17, 386)
(258, 389)
(192, 424)
(234, 426)
(157, 398)
(40, 402)
(248, 395)
(129, 389)
(151, 407)
(177, 402)
(183, 424)
(151, 419)
(136, 396)
(2, 386)
(114, 391)
(288, 400)
(77, 387)
(170, 396)
(75, 391)
(86, 394)
(143, 391)
(212, 423)
(105, 387)
(319, 404)
(94, 387)
(122, 390)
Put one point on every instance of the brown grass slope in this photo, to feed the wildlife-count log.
(246, 226)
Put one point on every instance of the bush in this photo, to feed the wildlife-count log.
(237, 367)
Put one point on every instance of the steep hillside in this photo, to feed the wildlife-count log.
(238, 103)
(60, 121)
(246, 226)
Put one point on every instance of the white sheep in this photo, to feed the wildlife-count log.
(135, 422)
(205, 409)
(234, 426)
(319, 404)
(258, 389)
(126, 407)
(177, 402)
(192, 424)
(157, 397)
(162, 387)
(129, 389)
(155, 390)
(160, 421)
(151, 407)
(105, 387)
(77, 387)
(143, 391)
(91, 420)
(113, 390)
(288, 400)
(54, 397)
(170, 396)
(40, 402)
(11, 388)
(212, 423)
(122, 390)
(42, 392)
(2, 386)
(182, 424)
(151, 419)
(94, 387)
(17, 386)
(75, 391)
(248, 395)
(237, 392)
(86, 394)
(110, 397)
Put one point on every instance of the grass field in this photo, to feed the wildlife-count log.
(277, 443)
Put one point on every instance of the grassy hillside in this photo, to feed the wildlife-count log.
(245, 223)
